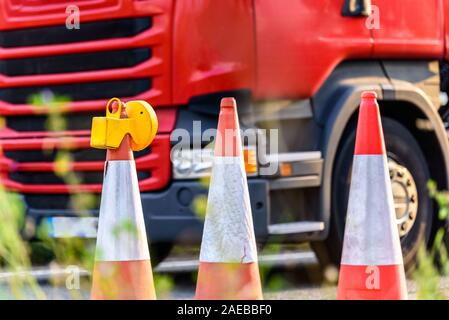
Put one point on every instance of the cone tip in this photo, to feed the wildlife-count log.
(369, 138)
(369, 95)
(228, 102)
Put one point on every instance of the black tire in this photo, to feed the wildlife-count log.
(159, 251)
(403, 148)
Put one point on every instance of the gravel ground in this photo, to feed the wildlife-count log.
(288, 275)
(307, 292)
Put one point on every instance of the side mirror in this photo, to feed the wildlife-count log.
(356, 8)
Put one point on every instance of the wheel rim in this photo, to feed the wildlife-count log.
(405, 196)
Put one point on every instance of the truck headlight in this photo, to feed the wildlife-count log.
(197, 163)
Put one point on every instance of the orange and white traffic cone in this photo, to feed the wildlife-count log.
(371, 264)
(228, 260)
(122, 267)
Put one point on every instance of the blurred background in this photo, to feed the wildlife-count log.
(296, 69)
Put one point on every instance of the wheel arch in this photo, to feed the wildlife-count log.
(392, 99)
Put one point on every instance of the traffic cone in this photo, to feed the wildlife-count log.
(371, 264)
(228, 260)
(122, 267)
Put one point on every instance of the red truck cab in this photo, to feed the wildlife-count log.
(294, 66)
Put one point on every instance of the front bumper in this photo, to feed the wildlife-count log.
(170, 215)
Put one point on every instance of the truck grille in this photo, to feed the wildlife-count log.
(78, 91)
(90, 31)
(28, 166)
(125, 56)
(74, 62)
(74, 121)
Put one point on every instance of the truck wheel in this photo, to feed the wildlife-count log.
(409, 174)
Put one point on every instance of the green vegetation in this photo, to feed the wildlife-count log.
(433, 261)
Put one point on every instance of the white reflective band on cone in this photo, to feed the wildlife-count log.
(121, 229)
(228, 230)
(371, 235)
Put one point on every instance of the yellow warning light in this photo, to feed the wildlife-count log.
(141, 124)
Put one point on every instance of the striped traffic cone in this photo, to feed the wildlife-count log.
(228, 259)
(371, 265)
(122, 267)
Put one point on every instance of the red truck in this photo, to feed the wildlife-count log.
(297, 66)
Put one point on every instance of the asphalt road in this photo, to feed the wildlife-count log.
(291, 275)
